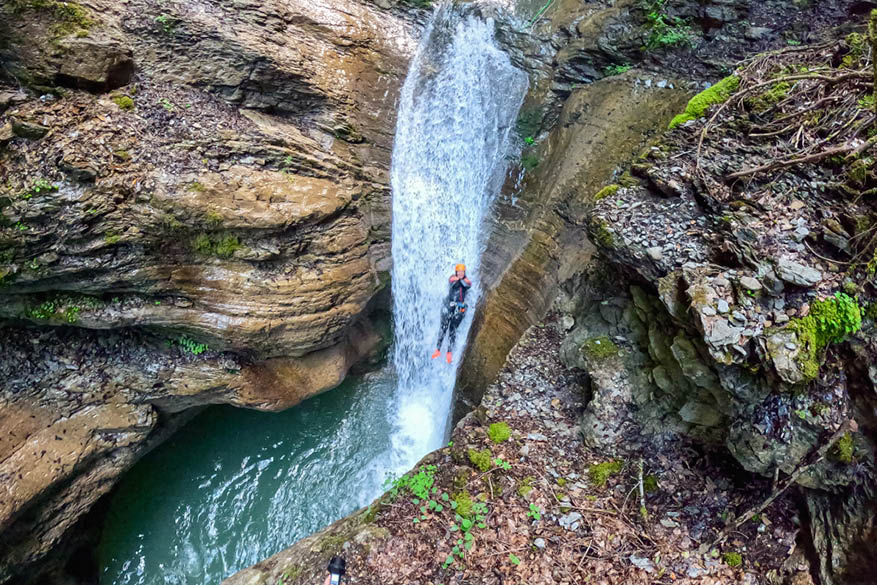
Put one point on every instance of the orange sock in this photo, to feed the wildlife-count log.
(436, 353)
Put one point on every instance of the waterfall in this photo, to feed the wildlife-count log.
(457, 110)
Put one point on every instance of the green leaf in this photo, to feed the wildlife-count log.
(514, 560)
(482, 525)
(454, 528)
(416, 520)
(445, 497)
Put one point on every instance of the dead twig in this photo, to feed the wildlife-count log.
(788, 162)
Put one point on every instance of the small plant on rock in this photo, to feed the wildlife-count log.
(499, 432)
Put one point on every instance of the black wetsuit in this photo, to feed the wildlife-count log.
(453, 311)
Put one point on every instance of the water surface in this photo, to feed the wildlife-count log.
(235, 486)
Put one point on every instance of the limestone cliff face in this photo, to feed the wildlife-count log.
(195, 210)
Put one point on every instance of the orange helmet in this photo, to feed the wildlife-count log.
(460, 267)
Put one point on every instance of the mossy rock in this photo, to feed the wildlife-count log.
(829, 321)
(599, 473)
(525, 487)
(464, 504)
(600, 234)
(843, 449)
(123, 101)
(499, 432)
(599, 348)
(716, 94)
(480, 459)
(607, 191)
(767, 99)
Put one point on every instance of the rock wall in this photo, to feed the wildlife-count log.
(195, 210)
(753, 329)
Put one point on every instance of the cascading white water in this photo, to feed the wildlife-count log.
(455, 119)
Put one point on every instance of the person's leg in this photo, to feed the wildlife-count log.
(452, 333)
(446, 320)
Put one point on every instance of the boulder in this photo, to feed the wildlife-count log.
(27, 129)
(95, 64)
(797, 274)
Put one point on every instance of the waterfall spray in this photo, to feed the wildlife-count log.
(456, 115)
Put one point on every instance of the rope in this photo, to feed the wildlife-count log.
(540, 13)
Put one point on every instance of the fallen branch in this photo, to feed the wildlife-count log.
(848, 426)
(779, 164)
(642, 494)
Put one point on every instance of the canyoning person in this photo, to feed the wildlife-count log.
(453, 310)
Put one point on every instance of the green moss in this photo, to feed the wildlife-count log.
(871, 311)
(650, 483)
(499, 432)
(526, 486)
(698, 105)
(68, 16)
(859, 169)
(732, 559)
(480, 459)
(221, 245)
(606, 192)
(123, 101)
(122, 155)
(599, 348)
(829, 321)
(530, 162)
(561, 481)
(195, 186)
(842, 451)
(856, 44)
(601, 234)
(111, 238)
(464, 504)
(599, 473)
(769, 98)
(627, 180)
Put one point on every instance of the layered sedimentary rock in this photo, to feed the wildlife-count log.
(195, 210)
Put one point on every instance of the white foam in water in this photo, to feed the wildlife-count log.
(456, 114)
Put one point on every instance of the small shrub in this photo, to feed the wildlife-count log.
(499, 432)
(600, 473)
(419, 484)
(191, 346)
(37, 187)
(616, 69)
(480, 459)
(664, 30)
